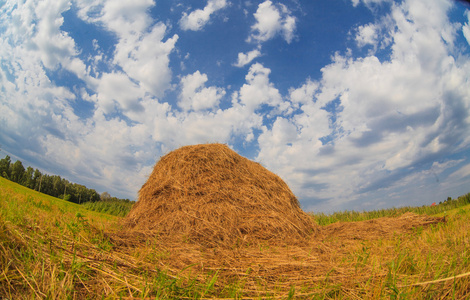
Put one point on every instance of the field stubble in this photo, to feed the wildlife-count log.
(53, 249)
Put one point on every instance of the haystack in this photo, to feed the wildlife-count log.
(209, 194)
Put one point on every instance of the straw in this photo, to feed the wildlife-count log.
(208, 194)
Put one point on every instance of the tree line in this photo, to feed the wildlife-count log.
(52, 185)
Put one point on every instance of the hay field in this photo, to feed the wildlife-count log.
(51, 249)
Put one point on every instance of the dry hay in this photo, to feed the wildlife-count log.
(208, 194)
(328, 258)
(200, 199)
(378, 228)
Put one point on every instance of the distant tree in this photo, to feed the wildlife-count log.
(67, 186)
(5, 167)
(37, 179)
(28, 179)
(46, 185)
(78, 193)
(93, 195)
(52, 185)
(105, 196)
(58, 186)
(17, 172)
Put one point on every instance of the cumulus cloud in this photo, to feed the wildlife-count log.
(197, 97)
(54, 46)
(259, 90)
(370, 126)
(368, 3)
(355, 2)
(197, 19)
(99, 152)
(402, 112)
(367, 35)
(125, 17)
(128, 127)
(292, 139)
(223, 126)
(37, 99)
(43, 114)
(305, 94)
(117, 89)
(272, 20)
(244, 59)
(45, 40)
(203, 121)
(466, 28)
(145, 58)
(141, 51)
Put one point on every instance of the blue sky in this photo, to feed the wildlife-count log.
(356, 104)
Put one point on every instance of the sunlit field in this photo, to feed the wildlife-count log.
(53, 249)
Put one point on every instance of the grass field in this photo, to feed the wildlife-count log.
(53, 249)
(116, 208)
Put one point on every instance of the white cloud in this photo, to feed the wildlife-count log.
(305, 93)
(100, 152)
(461, 173)
(197, 19)
(117, 88)
(145, 58)
(196, 124)
(37, 27)
(37, 99)
(272, 20)
(244, 59)
(141, 51)
(389, 116)
(355, 132)
(96, 150)
(220, 126)
(466, 28)
(124, 17)
(53, 44)
(369, 3)
(293, 145)
(258, 90)
(194, 96)
(367, 35)
(104, 147)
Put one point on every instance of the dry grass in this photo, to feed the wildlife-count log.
(210, 194)
(331, 262)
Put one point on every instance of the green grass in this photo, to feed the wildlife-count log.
(54, 249)
(116, 208)
(351, 216)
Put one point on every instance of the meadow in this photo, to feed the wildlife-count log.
(54, 249)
